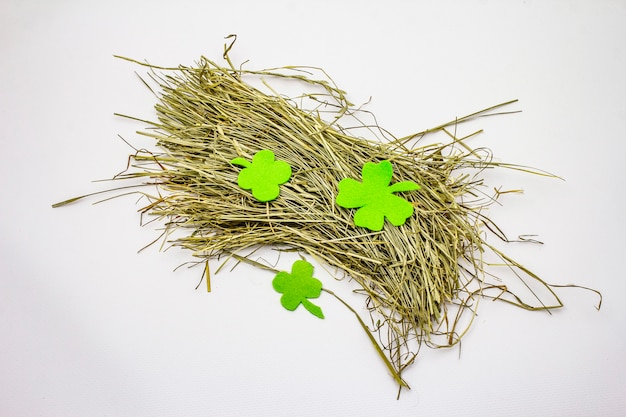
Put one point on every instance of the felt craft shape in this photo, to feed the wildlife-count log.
(375, 197)
(298, 286)
(263, 175)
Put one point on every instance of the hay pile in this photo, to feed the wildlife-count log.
(412, 276)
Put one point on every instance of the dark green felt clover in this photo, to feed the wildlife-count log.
(263, 175)
(374, 197)
(296, 288)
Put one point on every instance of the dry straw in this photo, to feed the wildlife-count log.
(418, 280)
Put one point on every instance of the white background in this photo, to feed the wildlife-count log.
(89, 327)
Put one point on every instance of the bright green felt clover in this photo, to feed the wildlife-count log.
(375, 197)
(263, 175)
(296, 288)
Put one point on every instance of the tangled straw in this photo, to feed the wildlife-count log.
(418, 279)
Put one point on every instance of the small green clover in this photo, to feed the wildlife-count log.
(263, 175)
(375, 197)
(296, 288)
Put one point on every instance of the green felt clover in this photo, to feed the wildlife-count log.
(375, 197)
(296, 288)
(263, 175)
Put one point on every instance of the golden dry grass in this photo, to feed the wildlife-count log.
(417, 279)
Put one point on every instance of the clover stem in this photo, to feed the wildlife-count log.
(404, 186)
(312, 308)
(241, 162)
